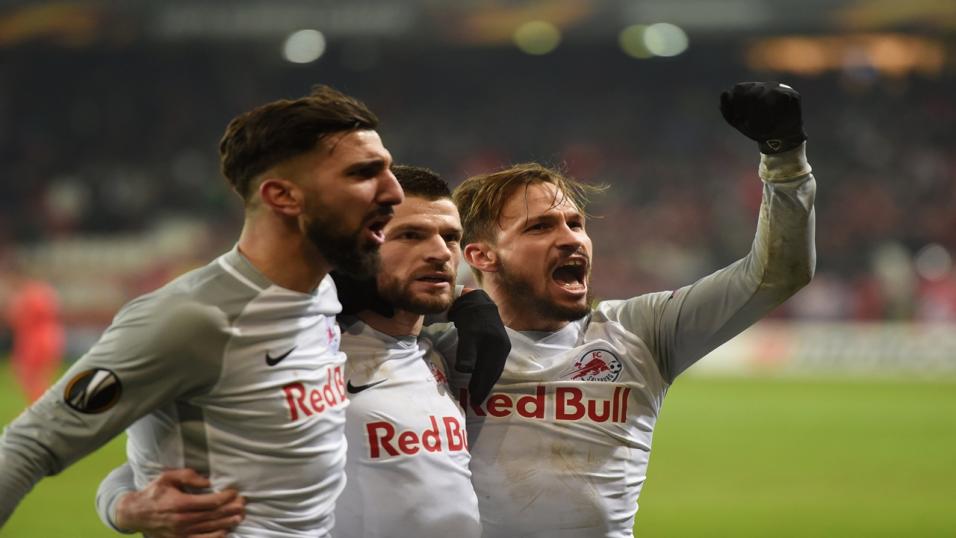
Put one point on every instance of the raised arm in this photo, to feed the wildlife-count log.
(682, 326)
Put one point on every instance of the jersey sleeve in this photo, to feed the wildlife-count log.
(156, 351)
(682, 326)
(442, 338)
(119, 481)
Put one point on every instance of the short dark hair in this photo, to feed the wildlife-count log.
(421, 182)
(275, 132)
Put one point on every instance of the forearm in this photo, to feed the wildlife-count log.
(783, 256)
(119, 482)
(164, 507)
(23, 462)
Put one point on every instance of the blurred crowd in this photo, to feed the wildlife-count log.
(111, 183)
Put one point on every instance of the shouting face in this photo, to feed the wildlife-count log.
(349, 193)
(541, 259)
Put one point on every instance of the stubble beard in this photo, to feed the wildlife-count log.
(398, 294)
(525, 299)
(347, 252)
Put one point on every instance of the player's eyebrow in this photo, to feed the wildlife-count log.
(537, 219)
(547, 216)
(370, 167)
(409, 228)
(454, 231)
(552, 215)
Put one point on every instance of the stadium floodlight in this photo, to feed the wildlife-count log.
(665, 39)
(631, 40)
(933, 262)
(537, 37)
(304, 46)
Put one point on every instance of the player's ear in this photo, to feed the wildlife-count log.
(282, 195)
(481, 256)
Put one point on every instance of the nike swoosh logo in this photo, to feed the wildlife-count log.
(272, 361)
(355, 390)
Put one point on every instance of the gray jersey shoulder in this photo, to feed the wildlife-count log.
(160, 346)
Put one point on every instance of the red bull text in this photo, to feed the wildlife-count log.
(567, 403)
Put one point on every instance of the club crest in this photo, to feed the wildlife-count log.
(596, 365)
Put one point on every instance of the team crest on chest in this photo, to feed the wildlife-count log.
(595, 365)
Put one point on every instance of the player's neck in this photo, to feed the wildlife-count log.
(403, 323)
(283, 255)
(522, 321)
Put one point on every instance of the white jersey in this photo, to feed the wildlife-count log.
(220, 371)
(408, 457)
(561, 447)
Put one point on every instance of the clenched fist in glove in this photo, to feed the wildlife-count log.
(483, 343)
(768, 112)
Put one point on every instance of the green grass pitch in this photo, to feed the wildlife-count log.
(732, 457)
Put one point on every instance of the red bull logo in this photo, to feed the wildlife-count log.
(596, 365)
(305, 401)
(445, 434)
(564, 404)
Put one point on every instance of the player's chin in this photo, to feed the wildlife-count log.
(431, 301)
(431, 304)
(571, 305)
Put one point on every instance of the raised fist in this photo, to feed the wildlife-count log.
(767, 112)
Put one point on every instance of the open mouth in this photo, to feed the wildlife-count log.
(376, 227)
(571, 275)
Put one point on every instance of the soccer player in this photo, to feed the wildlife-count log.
(407, 465)
(561, 447)
(233, 369)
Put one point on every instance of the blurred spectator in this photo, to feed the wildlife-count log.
(37, 334)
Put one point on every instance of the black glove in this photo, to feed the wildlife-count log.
(768, 112)
(483, 343)
(357, 295)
